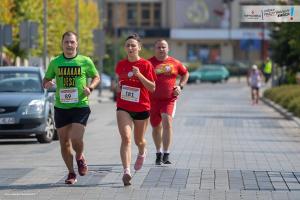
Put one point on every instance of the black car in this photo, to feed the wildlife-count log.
(26, 108)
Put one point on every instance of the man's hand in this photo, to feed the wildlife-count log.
(48, 84)
(177, 90)
(87, 91)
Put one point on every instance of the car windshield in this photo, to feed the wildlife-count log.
(20, 82)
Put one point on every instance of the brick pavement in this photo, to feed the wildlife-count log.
(223, 148)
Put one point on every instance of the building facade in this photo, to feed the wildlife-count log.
(197, 30)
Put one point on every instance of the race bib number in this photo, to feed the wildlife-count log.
(69, 95)
(130, 93)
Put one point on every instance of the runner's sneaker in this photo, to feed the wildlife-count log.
(139, 161)
(166, 158)
(82, 166)
(126, 178)
(158, 158)
(71, 179)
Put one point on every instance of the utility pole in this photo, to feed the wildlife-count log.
(116, 25)
(101, 55)
(1, 44)
(77, 18)
(102, 5)
(45, 11)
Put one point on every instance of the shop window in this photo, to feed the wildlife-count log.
(203, 53)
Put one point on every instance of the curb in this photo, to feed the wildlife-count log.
(288, 115)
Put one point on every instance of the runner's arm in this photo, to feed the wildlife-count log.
(47, 83)
(149, 85)
(183, 80)
(94, 82)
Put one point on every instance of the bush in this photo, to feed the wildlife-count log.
(288, 96)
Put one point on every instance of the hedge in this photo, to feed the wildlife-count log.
(287, 96)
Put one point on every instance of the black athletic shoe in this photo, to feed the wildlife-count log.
(158, 158)
(166, 158)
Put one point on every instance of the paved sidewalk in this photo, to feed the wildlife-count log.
(224, 149)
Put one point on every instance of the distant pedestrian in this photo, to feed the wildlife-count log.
(255, 79)
(71, 72)
(267, 69)
(163, 100)
(135, 80)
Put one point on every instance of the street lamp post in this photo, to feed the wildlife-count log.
(116, 24)
(77, 18)
(45, 34)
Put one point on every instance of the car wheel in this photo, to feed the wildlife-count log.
(55, 137)
(49, 133)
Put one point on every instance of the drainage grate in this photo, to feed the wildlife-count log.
(93, 178)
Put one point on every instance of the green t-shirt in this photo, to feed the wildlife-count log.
(71, 76)
(268, 67)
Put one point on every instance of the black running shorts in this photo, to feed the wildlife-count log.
(63, 117)
(137, 115)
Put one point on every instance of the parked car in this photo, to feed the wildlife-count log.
(209, 73)
(237, 68)
(105, 81)
(26, 108)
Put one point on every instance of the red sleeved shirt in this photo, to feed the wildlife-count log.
(133, 95)
(166, 72)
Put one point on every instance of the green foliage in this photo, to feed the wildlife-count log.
(285, 46)
(61, 18)
(288, 96)
(294, 106)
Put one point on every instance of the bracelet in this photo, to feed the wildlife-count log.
(91, 89)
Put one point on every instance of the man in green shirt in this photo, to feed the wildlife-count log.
(71, 72)
(268, 69)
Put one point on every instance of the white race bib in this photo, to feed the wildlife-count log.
(130, 93)
(69, 95)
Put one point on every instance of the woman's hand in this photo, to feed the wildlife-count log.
(136, 71)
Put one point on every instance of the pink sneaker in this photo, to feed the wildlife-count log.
(71, 179)
(126, 178)
(139, 161)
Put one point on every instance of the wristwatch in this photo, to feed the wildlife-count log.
(91, 89)
(181, 87)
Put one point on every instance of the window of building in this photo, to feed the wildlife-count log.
(110, 17)
(135, 14)
(157, 14)
(132, 14)
(145, 14)
(203, 53)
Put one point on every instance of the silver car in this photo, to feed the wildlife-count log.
(26, 108)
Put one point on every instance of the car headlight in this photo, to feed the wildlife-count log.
(34, 107)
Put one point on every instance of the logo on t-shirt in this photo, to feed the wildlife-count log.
(166, 69)
(69, 73)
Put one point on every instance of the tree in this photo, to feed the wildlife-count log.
(6, 16)
(61, 18)
(285, 45)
